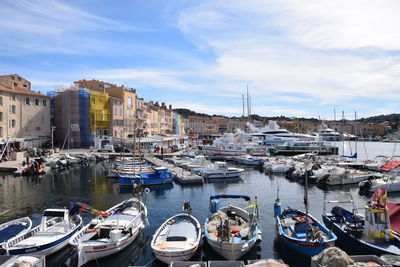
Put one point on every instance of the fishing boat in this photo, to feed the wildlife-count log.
(56, 228)
(160, 175)
(232, 231)
(253, 161)
(178, 238)
(111, 232)
(370, 234)
(14, 228)
(221, 170)
(299, 230)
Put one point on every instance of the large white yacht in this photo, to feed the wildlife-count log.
(273, 135)
(328, 134)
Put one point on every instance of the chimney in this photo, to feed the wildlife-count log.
(170, 106)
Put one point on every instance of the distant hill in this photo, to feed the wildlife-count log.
(391, 118)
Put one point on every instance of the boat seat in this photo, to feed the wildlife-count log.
(131, 211)
(175, 244)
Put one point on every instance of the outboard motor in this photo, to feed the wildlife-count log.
(289, 172)
(364, 186)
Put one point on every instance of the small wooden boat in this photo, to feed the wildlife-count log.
(53, 233)
(301, 231)
(14, 228)
(232, 231)
(178, 237)
(110, 233)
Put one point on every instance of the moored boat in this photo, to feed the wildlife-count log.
(56, 228)
(110, 233)
(178, 238)
(232, 231)
(221, 170)
(160, 175)
(369, 234)
(14, 228)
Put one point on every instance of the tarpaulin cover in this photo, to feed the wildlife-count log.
(390, 166)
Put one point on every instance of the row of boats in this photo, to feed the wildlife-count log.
(231, 231)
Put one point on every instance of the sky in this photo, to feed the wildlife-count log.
(297, 58)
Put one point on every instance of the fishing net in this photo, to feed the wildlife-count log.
(333, 257)
(215, 221)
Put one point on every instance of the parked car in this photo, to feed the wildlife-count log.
(120, 149)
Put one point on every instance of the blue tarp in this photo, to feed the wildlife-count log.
(247, 198)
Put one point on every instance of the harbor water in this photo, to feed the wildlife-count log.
(29, 196)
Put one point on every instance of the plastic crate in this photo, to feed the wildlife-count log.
(361, 258)
(225, 264)
(187, 263)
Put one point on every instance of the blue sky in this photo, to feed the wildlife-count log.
(298, 58)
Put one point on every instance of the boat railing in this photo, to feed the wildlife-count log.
(344, 201)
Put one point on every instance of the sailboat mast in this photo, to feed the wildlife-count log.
(306, 190)
(343, 136)
(355, 127)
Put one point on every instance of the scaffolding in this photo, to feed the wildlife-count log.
(100, 115)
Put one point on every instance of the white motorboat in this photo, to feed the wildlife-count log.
(232, 231)
(253, 161)
(71, 159)
(14, 228)
(178, 237)
(198, 162)
(112, 233)
(278, 166)
(53, 233)
(341, 176)
(390, 182)
(221, 170)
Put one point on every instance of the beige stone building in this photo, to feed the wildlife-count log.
(24, 114)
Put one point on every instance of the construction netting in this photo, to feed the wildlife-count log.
(100, 115)
(84, 118)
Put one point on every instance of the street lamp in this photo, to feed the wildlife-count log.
(53, 128)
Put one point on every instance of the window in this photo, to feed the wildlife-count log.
(130, 102)
(1, 116)
(25, 85)
(13, 123)
(12, 78)
(19, 78)
(16, 84)
(13, 109)
(37, 102)
(1, 131)
(1, 100)
(27, 101)
(44, 103)
(14, 97)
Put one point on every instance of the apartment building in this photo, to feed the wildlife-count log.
(128, 97)
(24, 114)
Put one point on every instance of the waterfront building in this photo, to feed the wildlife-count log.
(117, 117)
(128, 96)
(222, 123)
(24, 114)
(202, 126)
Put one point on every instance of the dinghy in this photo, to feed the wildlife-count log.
(14, 228)
(110, 232)
(232, 231)
(56, 228)
(178, 237)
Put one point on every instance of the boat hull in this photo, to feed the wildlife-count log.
(354, 244)
(231, 251)
(144, 181)
(222, 175)
(90, 252)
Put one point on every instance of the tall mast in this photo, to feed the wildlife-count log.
(355, 127)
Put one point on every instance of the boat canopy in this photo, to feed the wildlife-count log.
(247, 198)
